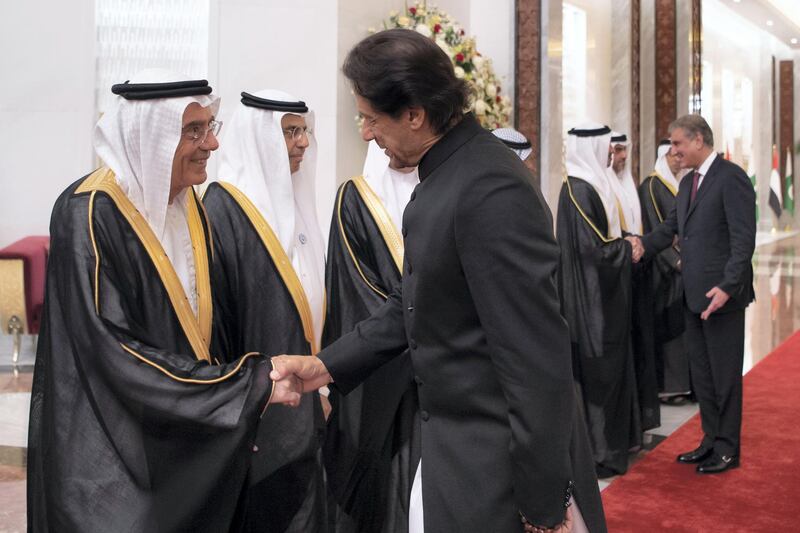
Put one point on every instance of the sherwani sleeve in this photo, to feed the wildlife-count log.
(374, 342)
(510, 259)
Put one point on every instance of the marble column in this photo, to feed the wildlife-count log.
(647, 94)
(635, 92)
(683, 56)
(552, 140)
(666, 71)
(528, 88)
(786, 124)
(786, 115)
(621, 67)
(696, 56)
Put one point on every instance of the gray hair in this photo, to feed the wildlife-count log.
(694, 125)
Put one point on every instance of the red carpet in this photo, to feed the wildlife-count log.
(659, 494)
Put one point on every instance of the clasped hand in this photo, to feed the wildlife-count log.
(638, 247)
(294, 375)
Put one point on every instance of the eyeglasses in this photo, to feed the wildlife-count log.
(296, 132)
(198, 133)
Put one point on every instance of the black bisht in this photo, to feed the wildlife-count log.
(595, 291)
(255, 311)
(130, 430)
(372, 446)
(666, 284)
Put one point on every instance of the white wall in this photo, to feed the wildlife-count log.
(47, 101)
(287, 46)
(598, 59)
(493, 24)
(46, 109)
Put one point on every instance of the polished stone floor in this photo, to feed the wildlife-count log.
(769, 321)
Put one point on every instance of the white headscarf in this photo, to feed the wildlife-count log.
(625, 191)
(256, 161)
(393, 187)
(662, 166)
(587, 159)
(137, 140)
(512, 135)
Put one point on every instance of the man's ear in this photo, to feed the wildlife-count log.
(416, 117)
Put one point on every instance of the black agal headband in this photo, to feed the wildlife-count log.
(273, 105)
(149, 91)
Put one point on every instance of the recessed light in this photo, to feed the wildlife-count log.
(770, 23)
(793, 40)
(736, 1)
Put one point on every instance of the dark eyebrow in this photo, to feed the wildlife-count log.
(198, 123)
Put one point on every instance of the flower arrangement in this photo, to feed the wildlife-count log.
(491, 108)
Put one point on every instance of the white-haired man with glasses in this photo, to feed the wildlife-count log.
(268, 280)
(135, 423)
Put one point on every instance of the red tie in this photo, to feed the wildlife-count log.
(695, 183)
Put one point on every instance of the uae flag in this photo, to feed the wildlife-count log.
(788, 201)
(775, 196)
(751, 172)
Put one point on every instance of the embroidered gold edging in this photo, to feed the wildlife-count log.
(96, 256)
(622, 223)
(586, 218)
(381, 217)
(281, 260)
(667, 184)
(202, 275)
(653, 199)
(349, 249)
(93, 180)
(103, 180)
(208, 221)
(189, 380)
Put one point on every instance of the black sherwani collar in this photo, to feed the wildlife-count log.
(452, 141)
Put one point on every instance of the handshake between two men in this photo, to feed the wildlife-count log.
(718, 296)
(295, 375)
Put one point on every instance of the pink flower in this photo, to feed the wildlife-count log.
(437, 28)
(412, 10)
(459, 58)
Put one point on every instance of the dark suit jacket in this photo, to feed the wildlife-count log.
(479, 310)
(717, 236)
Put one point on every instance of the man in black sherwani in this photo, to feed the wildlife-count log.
(477, 308)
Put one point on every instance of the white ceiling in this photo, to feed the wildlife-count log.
(781, 18)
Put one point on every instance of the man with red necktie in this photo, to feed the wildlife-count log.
(714, 219)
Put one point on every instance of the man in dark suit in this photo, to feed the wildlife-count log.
(477, 308)
(714, 219)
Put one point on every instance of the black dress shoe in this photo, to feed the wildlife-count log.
(695, 456)
(604, 472)
(718, 463)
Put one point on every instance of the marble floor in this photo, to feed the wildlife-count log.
(773, 317)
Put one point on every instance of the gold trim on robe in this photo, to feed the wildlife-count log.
(349, 248)
(281, 260)
(667, 184)
(384, 222)
(196, 329)
(622, 223)
(194, 381)
(653, 196)
(586, 218)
